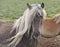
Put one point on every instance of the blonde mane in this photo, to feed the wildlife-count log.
(57, 18)
(22, 25)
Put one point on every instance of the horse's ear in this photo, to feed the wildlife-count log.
(42, 5)
(28, 5)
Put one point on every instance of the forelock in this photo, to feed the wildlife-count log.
(36, 5)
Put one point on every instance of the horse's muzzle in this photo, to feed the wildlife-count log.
(36, 34)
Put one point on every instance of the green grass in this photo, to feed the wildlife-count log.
(12, 9)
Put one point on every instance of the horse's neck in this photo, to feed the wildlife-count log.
(24, 41)
(27, 42)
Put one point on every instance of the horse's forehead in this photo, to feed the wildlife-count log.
(36, 5)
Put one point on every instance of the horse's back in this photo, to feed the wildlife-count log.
(5, 28)
(50, 27)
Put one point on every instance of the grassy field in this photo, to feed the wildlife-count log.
(12, 9)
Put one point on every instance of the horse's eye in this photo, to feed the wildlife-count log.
(38, 14)
(41, 16)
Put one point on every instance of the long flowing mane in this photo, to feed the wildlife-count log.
(21, 27)
(23, 24)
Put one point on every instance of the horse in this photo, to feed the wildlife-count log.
(50, 32)
(26, 30)
(51, 26)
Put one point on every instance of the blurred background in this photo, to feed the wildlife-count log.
(10, 10)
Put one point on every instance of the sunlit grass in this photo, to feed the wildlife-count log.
(12, 9)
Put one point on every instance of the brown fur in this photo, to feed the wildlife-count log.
(49, 42)
(5, 28)
(50, 28)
